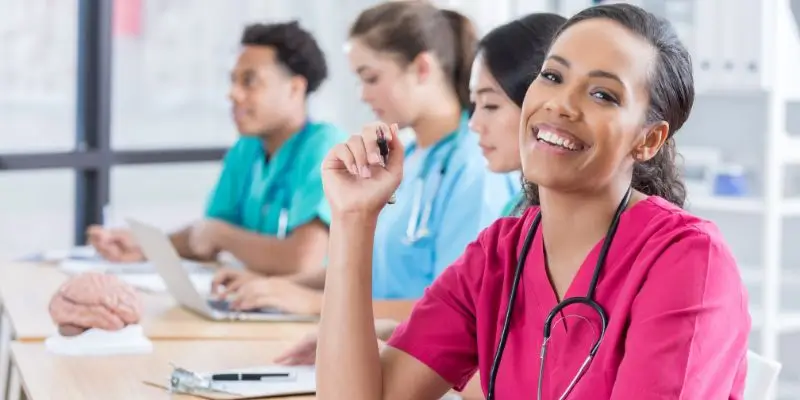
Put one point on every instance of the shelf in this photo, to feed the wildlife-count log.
(789, 321)
(755, 275)
(732, 93)
(746, 205)
(787, 389)
(742, 205)
(792, 149)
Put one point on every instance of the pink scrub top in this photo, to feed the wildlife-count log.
(678, 315)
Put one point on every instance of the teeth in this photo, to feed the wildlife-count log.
(555, 140)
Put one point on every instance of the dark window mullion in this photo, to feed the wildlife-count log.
(93, 112)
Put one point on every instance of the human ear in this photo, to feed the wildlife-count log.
(651, 141)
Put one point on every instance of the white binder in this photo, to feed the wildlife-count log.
(707, 56)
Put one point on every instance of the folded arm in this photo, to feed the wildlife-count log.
(180, 240)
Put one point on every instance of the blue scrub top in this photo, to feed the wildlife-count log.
(470, 198)
(273, 197)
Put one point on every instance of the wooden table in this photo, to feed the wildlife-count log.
(47, 376)
(26, 289)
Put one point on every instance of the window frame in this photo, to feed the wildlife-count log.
(93, 156)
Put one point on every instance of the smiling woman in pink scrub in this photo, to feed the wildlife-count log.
(662, 312)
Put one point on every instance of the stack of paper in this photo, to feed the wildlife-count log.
(76, 253)
(79, 266)
(141, 275)
(154, 283)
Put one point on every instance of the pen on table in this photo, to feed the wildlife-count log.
(252, 376)
(383, 147)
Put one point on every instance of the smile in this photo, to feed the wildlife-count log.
(553, 138)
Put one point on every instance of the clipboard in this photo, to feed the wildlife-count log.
(200, 385)
(224, 396)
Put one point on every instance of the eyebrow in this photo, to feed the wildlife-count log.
(243, 72)
(361, 69)
(594, 73)
(485, 90)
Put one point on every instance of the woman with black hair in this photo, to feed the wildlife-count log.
(508, 59)
(605, 288)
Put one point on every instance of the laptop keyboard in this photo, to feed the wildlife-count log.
(224, 306)
(219, 305)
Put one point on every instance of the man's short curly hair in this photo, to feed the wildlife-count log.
(296, 49)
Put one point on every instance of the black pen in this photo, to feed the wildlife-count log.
(252, 376)
(383, 147)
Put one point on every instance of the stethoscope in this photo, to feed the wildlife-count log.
(588, 300)
(417, 228)
(283, 214)
(257, 187)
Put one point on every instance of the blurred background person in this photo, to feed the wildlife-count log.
(413, 60)
(267, 209)
(508, 59)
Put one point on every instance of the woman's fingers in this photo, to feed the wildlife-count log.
(359, 152)
(396, 151)
(340, 156)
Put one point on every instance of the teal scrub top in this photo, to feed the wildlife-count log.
(277, 195)
(469, 198)
(513, 207)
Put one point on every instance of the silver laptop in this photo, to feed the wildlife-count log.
(159, 250)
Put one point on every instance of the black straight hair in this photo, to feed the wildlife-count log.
(514, 52)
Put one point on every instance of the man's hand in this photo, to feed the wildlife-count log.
(117, 245)
(205, 237)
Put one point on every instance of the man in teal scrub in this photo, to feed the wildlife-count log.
(268, 209)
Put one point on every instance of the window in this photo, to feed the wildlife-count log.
(37, 75)
(37, 213)
(55, 91)
(168, 196)
(172, 62)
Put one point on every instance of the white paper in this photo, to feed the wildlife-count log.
(75, 266)
(154, 283)
(95, 342)
(80, 252)
(304, 382)
(229, 260)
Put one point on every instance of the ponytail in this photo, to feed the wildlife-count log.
(466, 40)
(660, 176)
(409, 28)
